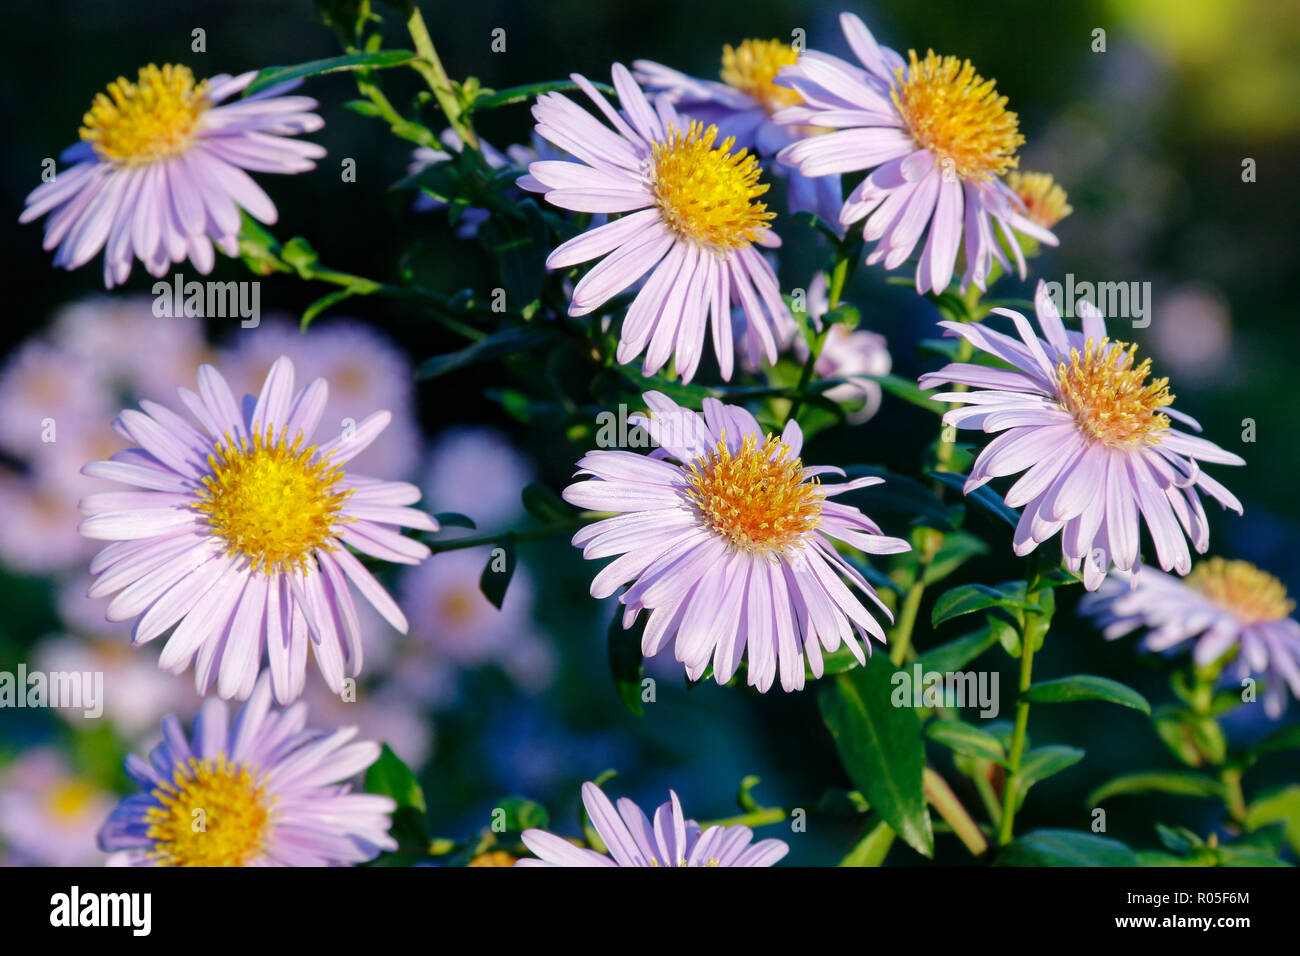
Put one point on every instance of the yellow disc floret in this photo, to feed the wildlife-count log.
(272, 501)
(211, 813)
(1242, 589)
(1110, 397)
(71, 798)
(708, 194)
(957, 114)
(150, 119)
(1044, 199)
(758, 498)
(752, 67)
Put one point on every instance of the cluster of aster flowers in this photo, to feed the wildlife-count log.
(243, 539)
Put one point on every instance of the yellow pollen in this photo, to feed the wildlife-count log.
(70, 798)
(708, 194)
(1110, 397)
(758, 498)
(957, 114)
(493, 858)
(1242, 589)
(213, 813)
(150, 119)
(752, 67)
(1043, 197)
(270, 501)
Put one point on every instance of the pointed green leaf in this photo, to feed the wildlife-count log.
(880, 746)
(1181, 783)
(1066, 690)
(500, 568)
(963, 738)
(381, 60)
(1066, 848)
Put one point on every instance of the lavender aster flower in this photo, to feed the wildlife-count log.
(1224, 607)
(272, 794)
(236, 540)
(159, 172)
(1093, 438)
(633, 840)
(728, 540)
(936, 137)
(692, 220)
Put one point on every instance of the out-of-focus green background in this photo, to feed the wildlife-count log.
(1149, 139)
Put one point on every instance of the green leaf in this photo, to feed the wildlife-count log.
(1178, 839)
(500, 568)
(908, 391)
(625, 662)
(1193, 738)
(963, 738)
(505, 342)
(984, 496)
(1041, 763)
(872, 848)
(957, 548)
(955, 655)
(545, 505)
(1066, 848)
(968, 598)
(450, 519)
(1066, 690)
(522, 94)
(381, 60)
(517, 814)
(1288, 738)
(880, 746)
(1282, 806)
(519, 244)
(390, 777)
(1181, 783)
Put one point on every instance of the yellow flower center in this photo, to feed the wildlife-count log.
(708, 194)
(1110, 397)
(493, 858)
(957, 114)
(752, 67)
(151, 119)
(270, 501)
(759, 498)
(1043, 197)
(1242, 589)
(70, 798)
(461, 606)
(213, 813)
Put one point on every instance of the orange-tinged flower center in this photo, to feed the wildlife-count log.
(1044, 199)
(1110, 397)
(213, 813)
(758, 498)
(957, 114)
(1242, 589)
(752, 67)
(150, 119)
(705, 193)
(272, 501)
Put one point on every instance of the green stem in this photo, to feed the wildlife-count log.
(478, 541)
(430, 67)
(1235, 800)
(950, 808)
(1036, 625)
(758, 818)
